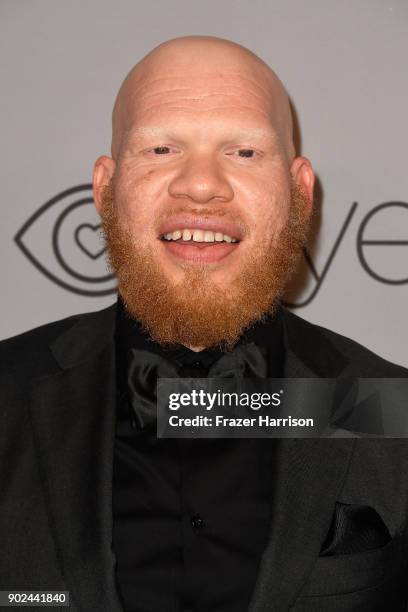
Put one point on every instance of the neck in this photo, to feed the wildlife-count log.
(196, 349)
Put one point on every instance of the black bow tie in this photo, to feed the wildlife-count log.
(145, 367)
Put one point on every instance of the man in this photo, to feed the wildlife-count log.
(205, 208)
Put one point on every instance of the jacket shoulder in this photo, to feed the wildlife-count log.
(363, 361)
(29, 351)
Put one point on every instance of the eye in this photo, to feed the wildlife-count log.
(245, 153)
(161, 150)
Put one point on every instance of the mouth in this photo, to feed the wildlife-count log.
(196, 245)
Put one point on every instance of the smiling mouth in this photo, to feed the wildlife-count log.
(199, 246)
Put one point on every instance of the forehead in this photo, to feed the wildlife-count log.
(212, 93)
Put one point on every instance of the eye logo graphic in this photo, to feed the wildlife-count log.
(73, 256)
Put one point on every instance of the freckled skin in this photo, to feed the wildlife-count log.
(203, 93)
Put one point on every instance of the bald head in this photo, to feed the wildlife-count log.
(198, 65)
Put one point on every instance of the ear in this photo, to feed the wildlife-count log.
(302, 173)
(102, 174)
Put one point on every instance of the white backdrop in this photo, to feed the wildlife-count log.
(344, 65)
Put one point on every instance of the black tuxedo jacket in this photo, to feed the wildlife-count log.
(57, 403)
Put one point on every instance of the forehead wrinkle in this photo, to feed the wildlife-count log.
(256, 104)
(201, 106)
(138, 90)
(201, 96)
(207, 110)
(273, 98)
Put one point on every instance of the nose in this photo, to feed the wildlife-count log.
(201, 180)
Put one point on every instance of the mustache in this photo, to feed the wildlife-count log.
(227, 215)
(197, 210)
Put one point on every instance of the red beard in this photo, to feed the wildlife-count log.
(198, 313)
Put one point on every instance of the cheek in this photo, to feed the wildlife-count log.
(136, 193)
(277, 218)
(268, 215)
(265, 199)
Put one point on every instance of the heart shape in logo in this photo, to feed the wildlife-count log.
(87, 238)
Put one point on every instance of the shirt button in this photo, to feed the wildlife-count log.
(197, 522)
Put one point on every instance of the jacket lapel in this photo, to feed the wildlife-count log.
(73, 414)
(308, 478)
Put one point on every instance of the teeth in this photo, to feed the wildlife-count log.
(197, 235)
(209, 236)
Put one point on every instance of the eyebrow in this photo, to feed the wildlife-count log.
(233, 133)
